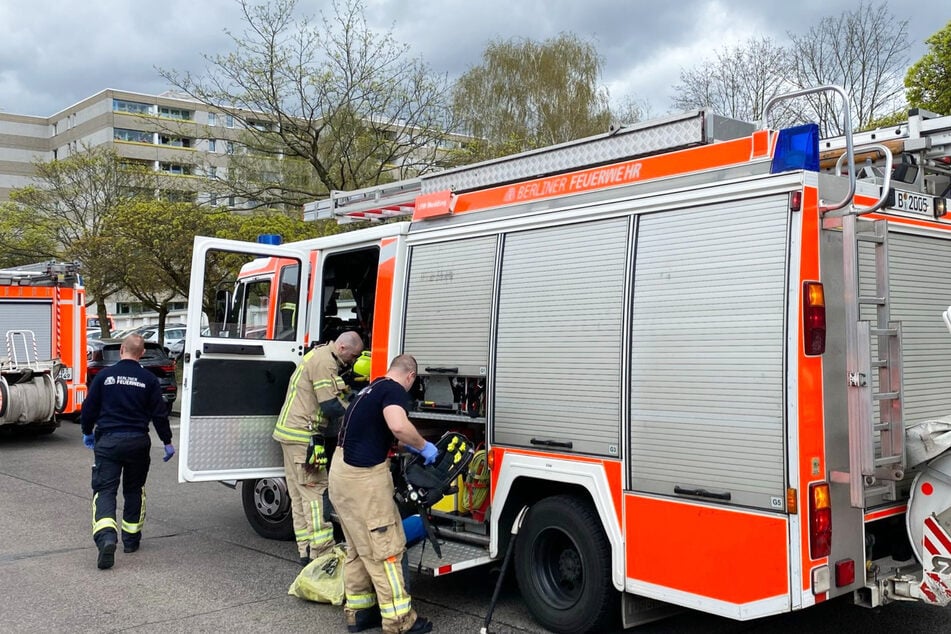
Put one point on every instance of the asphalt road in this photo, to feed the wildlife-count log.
(202, 569)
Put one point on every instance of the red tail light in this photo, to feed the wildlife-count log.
(170, 369)
(820, 520)
(813, 318)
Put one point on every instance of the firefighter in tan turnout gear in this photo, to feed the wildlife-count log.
(307, 430)
(361, 490)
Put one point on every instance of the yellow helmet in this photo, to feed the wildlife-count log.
(362, 365)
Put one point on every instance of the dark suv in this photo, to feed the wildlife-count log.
(102, 353)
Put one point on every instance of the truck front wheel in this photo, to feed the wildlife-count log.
(563, 565)
(267, 505)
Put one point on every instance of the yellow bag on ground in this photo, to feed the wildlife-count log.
(322, 579)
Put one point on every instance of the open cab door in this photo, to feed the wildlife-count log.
(247, 327)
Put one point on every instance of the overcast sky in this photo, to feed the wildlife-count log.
(53, 53)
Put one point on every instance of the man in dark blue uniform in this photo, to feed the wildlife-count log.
(122, 399)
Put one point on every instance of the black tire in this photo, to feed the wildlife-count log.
(267, 505)
(4, 396)
(62, 395)
(563, 566)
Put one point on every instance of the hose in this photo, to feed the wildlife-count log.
(476, 483)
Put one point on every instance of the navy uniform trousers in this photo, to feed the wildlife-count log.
(120, 456)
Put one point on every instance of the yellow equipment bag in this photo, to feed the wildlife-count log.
(322, 579)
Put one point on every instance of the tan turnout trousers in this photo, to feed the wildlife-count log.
(306, 490)
(373, 574)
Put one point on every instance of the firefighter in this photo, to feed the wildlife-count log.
(307, 430)
(122, 399)
(361, 490)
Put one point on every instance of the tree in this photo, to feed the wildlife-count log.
(738, 82)
(929, 80)
(68, 209)
(150, 247)
(344, 100)
(865, 52)
(528, 94)
(24, 238)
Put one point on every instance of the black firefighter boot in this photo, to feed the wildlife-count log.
(359, 620)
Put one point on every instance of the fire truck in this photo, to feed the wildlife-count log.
(704, 362)
(43, 324)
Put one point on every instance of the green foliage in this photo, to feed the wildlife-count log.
(24, 237)
(529, 94)
(929, 80)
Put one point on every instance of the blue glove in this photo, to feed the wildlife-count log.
(169, 452)
(89, 440)
(429, 452)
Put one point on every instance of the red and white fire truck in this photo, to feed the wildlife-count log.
(708, 358)
(43, 325)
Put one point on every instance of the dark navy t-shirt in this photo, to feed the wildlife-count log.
(365, 438)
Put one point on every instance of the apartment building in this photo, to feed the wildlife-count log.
(168, 133)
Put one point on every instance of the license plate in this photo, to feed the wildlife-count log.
(65, 373)
(913, 203)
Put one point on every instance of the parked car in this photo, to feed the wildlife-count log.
(173, 333)
(102, 353)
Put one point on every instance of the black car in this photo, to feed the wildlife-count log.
(102, 353)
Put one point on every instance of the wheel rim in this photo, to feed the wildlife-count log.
(271, 499)
(559, 568)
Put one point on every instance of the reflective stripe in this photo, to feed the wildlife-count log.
(322, 532)
(402, 602)
(129, 527)
(282, 432)
(361, 601)
(300, 436)
(323, 383)
(106, 522)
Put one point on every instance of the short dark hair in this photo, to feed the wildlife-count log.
(404, 363)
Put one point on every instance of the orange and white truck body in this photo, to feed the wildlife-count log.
(43, 325)
(690, 348)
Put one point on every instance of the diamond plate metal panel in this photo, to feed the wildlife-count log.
(217, 443)
(663, 135)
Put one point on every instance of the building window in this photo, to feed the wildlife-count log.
(175, 168)
(131, 136)
(212, 118)
(175, 113)
(211, 145)
(231, 201)
(213, 171)
(132, 107)
(229, 147)
(128, 308)
(174, 141)
(213, 200)
(229, 121)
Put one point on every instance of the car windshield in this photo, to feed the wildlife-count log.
(111, 353)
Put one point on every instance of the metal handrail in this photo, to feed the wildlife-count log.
(886, 183)
(846, 124)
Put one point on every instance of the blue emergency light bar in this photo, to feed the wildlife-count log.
(269, 238)
(797, 148)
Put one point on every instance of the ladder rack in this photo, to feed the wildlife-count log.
(666, 134)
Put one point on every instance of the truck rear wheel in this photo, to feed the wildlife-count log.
(563, 565)
(267, 505)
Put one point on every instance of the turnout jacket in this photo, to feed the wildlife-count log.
(316, 386)
(123, 398)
